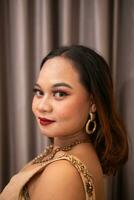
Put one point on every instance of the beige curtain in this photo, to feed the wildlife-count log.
(28, 30)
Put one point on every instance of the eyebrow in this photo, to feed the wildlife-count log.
(58, 85)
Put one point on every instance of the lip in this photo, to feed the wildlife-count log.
(45, 121)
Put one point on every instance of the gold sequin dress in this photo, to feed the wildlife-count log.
(17, 190)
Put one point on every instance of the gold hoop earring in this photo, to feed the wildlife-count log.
(91, 124)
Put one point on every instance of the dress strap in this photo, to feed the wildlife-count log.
(86, 177)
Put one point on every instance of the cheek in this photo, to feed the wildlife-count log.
(73, 109)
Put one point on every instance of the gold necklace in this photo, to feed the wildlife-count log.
(41, 158)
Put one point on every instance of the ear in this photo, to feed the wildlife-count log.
(92, 107)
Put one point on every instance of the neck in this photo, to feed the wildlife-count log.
(66, 140)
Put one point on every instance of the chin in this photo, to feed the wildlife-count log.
(47, 133)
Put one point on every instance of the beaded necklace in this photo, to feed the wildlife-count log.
(49, 150)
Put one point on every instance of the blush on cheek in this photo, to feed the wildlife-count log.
(65, 110)
(69, 109)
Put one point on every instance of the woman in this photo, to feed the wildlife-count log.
(74, 106)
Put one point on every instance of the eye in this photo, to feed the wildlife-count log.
(59, 94)
(37, 92)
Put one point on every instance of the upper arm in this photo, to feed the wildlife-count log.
(60, 180)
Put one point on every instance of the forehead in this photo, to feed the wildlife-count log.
(59, 69)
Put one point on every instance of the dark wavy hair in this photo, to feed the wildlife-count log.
(110, 139)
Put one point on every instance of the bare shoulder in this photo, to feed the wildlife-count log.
(59, 180)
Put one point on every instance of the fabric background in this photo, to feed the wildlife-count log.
(28, 30)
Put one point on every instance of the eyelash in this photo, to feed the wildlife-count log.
(36, 91)
(60, 92)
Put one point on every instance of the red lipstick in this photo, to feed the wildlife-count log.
(44, 121)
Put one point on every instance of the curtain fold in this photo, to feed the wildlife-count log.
(28, 31)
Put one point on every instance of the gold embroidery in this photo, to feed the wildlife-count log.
(26, 193)
(82, 168)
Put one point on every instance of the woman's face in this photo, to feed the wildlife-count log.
(61, 98)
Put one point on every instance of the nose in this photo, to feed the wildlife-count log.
(45, 105)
